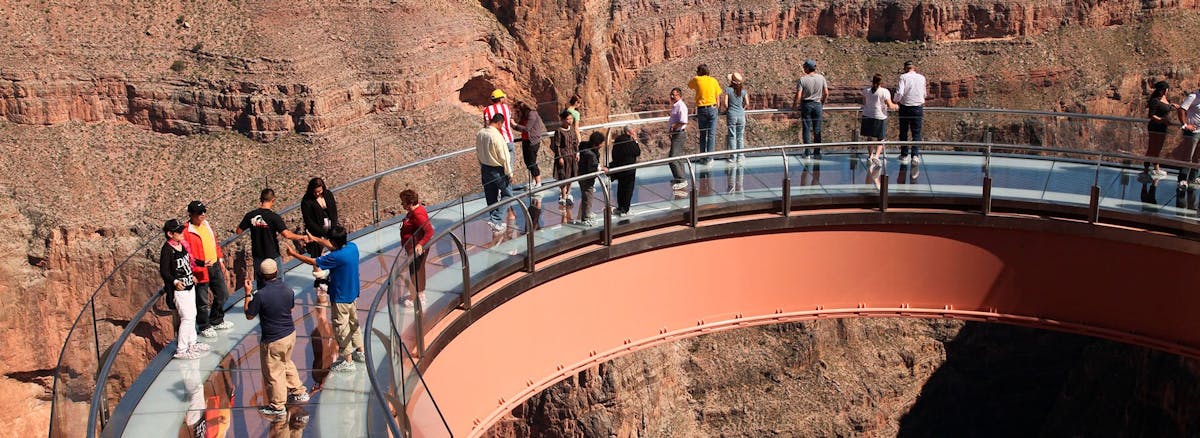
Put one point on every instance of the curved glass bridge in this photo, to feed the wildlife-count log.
(506, 315)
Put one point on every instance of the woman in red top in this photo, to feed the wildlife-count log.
(415, 233)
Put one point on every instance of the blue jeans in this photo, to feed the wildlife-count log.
(911, 120)
(495, 188)
(706, 120)
(736, 139)
(810, 122)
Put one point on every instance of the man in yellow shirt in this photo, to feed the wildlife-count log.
(495, 167)
(707, 90)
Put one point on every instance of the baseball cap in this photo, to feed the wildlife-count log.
(173, 225)
(496, 94)
(810, 63)
(268, 267)
(196, 207)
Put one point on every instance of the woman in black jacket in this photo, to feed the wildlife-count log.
(625, 152)
(320, 213)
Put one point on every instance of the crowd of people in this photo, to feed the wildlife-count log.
(193, 270)
(573, 156)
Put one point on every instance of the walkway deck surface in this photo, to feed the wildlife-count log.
(224, 389)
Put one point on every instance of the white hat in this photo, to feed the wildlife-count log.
(735, 77)
(268, 267)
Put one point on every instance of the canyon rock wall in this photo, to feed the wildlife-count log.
(104, 105)
(872, 377)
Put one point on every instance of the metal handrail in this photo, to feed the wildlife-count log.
(1099, 157)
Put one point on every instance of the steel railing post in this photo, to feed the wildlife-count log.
(529, 241)
(693, 195)
(606, 234)
(1094, 202)
(987, 174)
(466, 271)
(375, 201)
(786, 205)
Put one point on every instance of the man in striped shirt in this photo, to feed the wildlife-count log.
(500, 106)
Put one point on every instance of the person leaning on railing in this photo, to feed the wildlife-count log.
(707, 91)
(415, 232)
(625, 151)
(1159, 111)
(1189, 117)
(495, 168)
(589, 162)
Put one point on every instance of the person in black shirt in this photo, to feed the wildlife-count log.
(264, 224)
(589, 162)
(273, 306)
(1159, 112)
(175, 268)
(625, 151)
(319, 209)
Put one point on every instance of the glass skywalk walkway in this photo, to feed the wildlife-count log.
(223, 390)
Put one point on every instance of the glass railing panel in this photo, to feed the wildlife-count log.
(75, 378)
(1128, 187)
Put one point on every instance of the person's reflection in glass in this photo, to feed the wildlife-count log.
(535, 209)
(811, 175)
(1149, 194)
(735, 174)
(873, 174)
(1185, 200)
(321, 339)
(219, 400)
(193, 420)
(704, 180)
(294, 426)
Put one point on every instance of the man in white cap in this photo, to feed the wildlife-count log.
(273, 304)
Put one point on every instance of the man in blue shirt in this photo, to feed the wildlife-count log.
(342, 264)
(273, 305)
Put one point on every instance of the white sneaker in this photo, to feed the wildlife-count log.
(904, 160)
(224, 325)
(679, 186)
(875, 161)
(1183, 185)
(916, 159)
(359, 357)
(498, 227)
(208, 333)
(200, 347)
(298, 398)
(1158, 174)
(1195, 182)
(342, 366)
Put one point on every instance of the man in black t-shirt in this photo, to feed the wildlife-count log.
(264, 224)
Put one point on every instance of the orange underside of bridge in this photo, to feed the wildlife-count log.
(1123, 291)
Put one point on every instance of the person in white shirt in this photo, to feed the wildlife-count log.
(1189, 117)
(677, 124)
(910, 95)
(877, 100)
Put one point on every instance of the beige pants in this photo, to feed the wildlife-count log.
(345, 329)
(279, 372)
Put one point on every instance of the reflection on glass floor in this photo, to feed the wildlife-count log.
(222, 391)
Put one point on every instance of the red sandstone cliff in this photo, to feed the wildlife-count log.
(99, 101)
